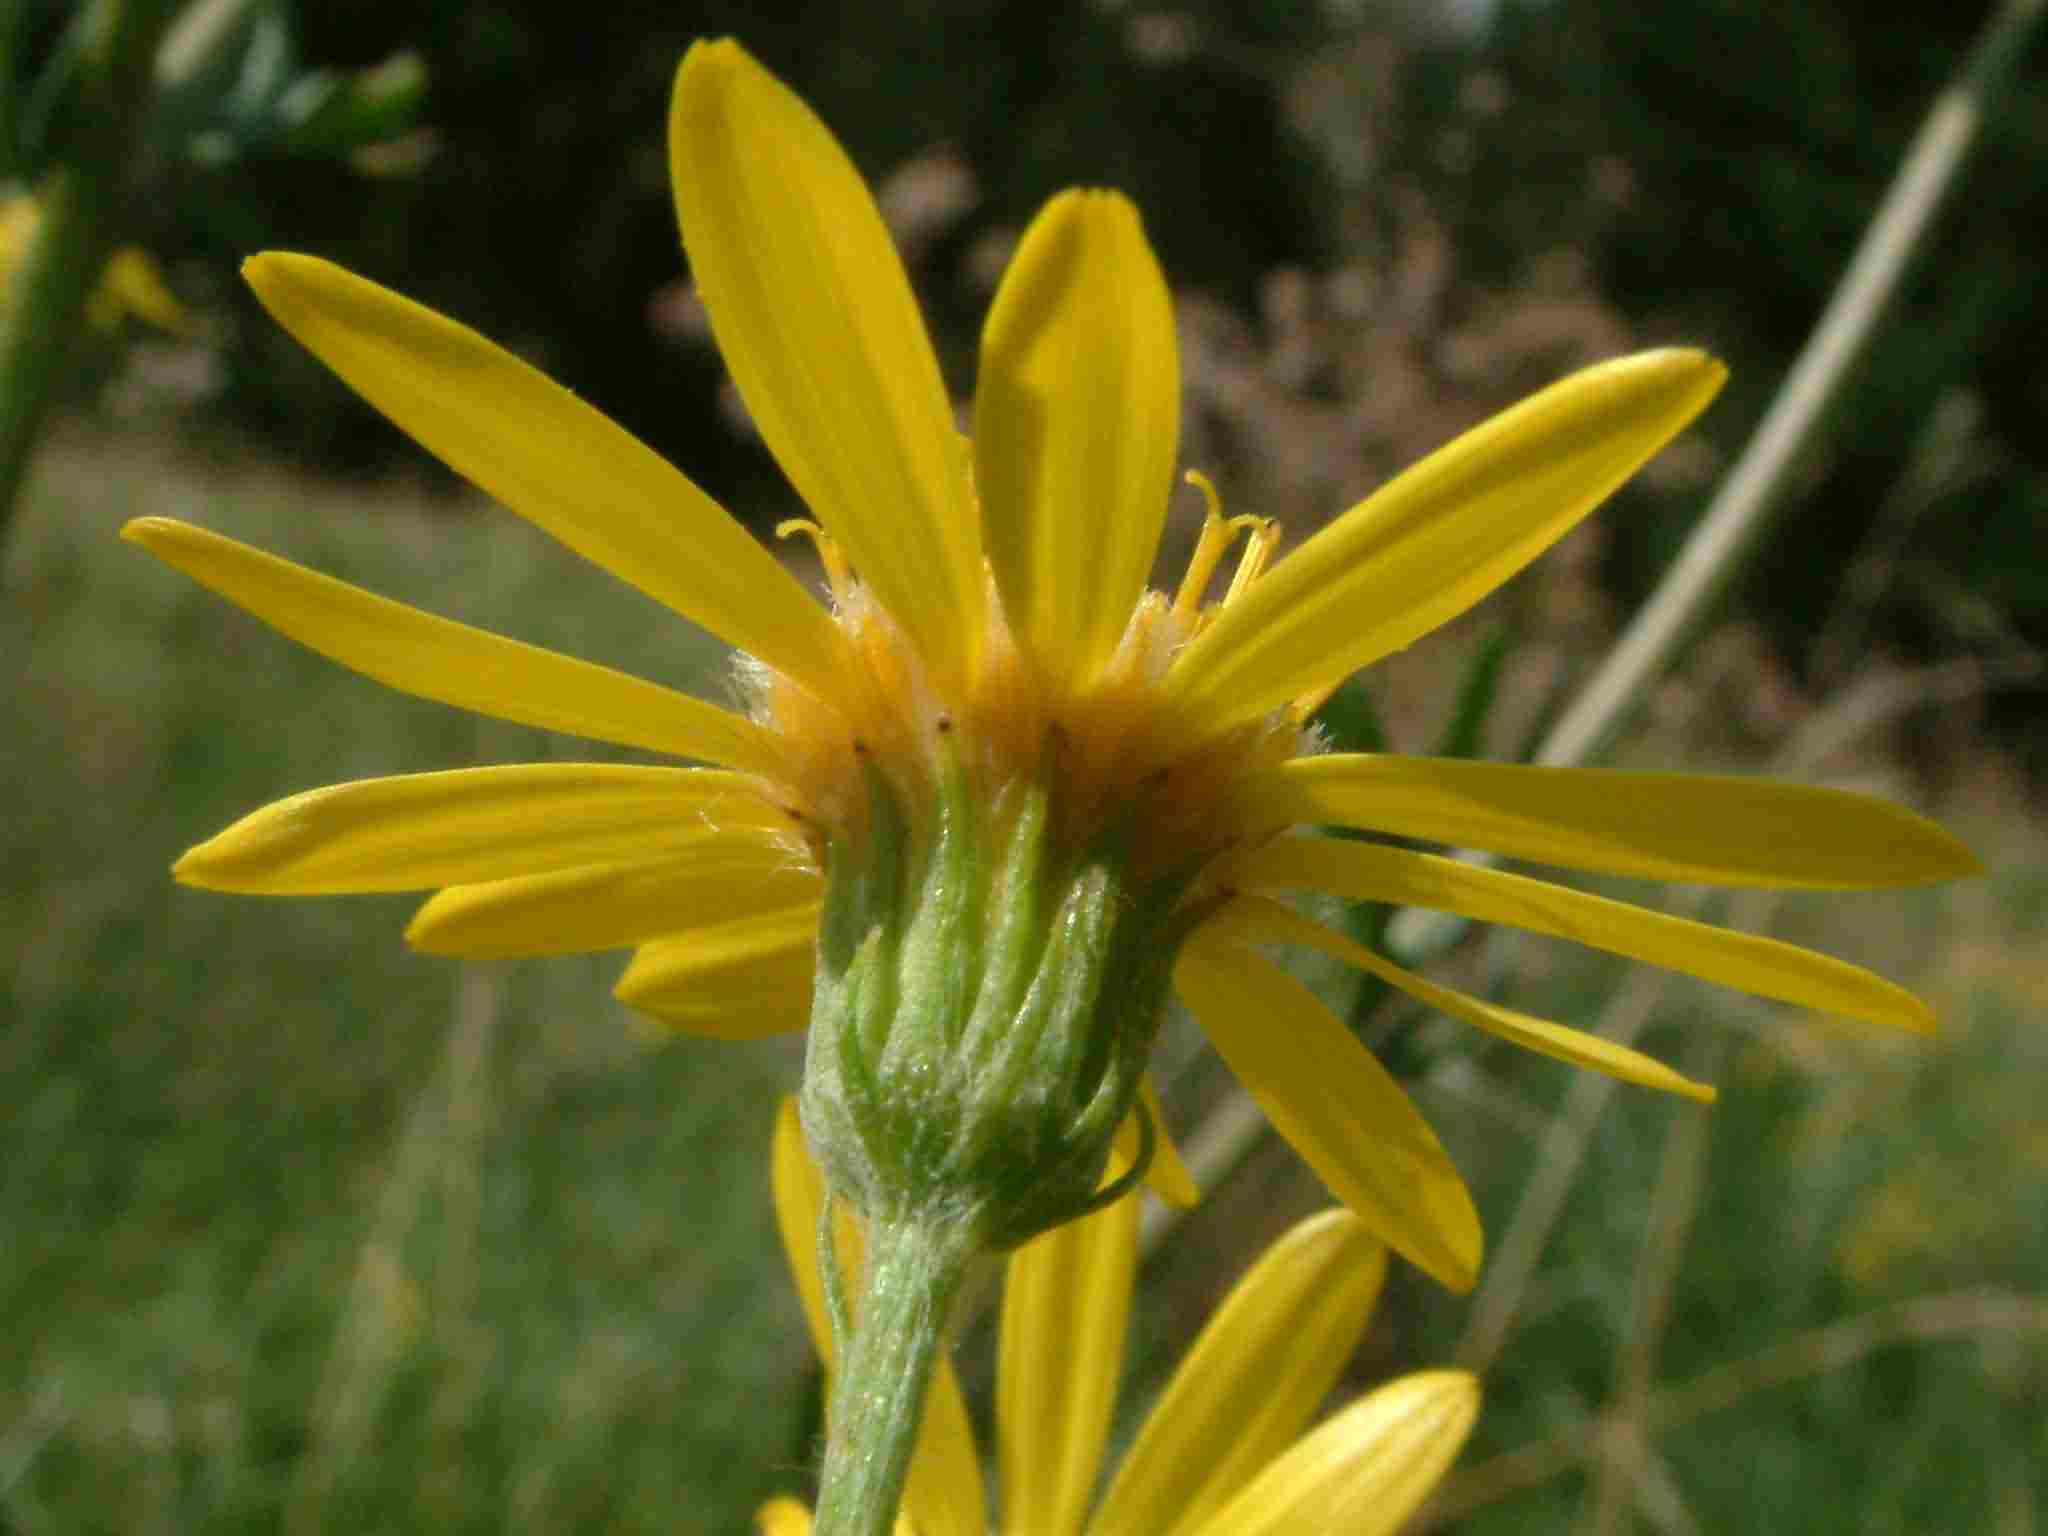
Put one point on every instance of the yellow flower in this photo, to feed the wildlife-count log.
(130, 284)
(1222, 1453)
(992, 643)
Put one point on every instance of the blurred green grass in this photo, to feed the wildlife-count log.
(307, 1233)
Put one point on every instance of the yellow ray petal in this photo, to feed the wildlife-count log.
(1661, 826)
(821, 333)
(525, 440)
(435, 658)
(1369, 872)
(731, 981)
(942, 1495)
(1263, 1365)
(1326, 1094)
(1066, 1298)
(1365, 1471)
(1076, 421)
(613, 906)
(1169, 1177)
(415, 831)
(1271, 920)
(1436, 539)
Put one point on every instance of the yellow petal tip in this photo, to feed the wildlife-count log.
(1178, 1189)
(707, 54)
(263, 270)
(1929, 853)
(233, 860)
(1919, 1020)
(1675, 360)
(419, 933)
(1686, 378)
(289, 279)
(1452, 1259)
(1468, 1254)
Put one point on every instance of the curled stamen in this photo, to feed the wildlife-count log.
(1208, 548)
(838, 574)
(1217, 532)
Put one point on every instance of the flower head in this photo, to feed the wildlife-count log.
(991, 802)
(1223, 1450)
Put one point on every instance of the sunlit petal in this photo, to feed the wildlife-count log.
(942, 1495)
(1076, 421)
(1272, 921)
(420, 830)
(613, 906)
(1662, 826)
(1066, 1298)
(1326, 1094)
(1263, 1365)
(782, 1517)
(434, 658)
(1365, 1471)
(821, 333)
(737, 980)
(525, 440)
(1370, 872)
(1440, 536)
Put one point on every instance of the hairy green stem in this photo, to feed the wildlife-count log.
(914, 1272)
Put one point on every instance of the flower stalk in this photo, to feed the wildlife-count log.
(988, 988)
(914, 1272)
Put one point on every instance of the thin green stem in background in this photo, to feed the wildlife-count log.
(98, 137)
(1727, 532)
(1715, 551)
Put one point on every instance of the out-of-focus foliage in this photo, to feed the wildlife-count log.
(1715, 163)
(222, 85)
(307, 1234)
